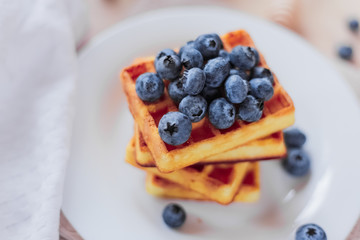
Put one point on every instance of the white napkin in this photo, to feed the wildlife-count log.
(37, 78)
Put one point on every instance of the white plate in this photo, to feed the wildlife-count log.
(104, 198)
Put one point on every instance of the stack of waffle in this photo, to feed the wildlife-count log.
(215, 165)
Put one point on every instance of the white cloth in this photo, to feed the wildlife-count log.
(38, 65)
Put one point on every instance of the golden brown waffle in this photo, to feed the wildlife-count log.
(270, 147)
(249, 190)
(218, 182)
(205, 140)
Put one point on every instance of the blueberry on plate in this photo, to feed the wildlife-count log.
(194, 107)
(189, 44)
(209, 45)
(310, 232)
(251, 109)
(174, 215)
(236, 89)
(194, 81)
(191, 58)
(261, 88)
(149, 87)
(164, 52)
(176, 91)
(243, 57)
(224, 54)
(345, 52)
(241, 73)
(354, 25)
(221, 113)
(260, 72)
(210, 93)
(216, 70)
(168, 67)
(175, 128)
(297, 162)
(294, 138)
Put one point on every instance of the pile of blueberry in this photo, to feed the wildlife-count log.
(206, 79)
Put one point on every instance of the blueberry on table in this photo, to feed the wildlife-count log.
(310, 232)
(241, 73)
(221, 113)
(260, 72)
(261, 88)
(354, 25)
(176, 91)
(175, 128)
(210, 93)
(251, 109)
(194, 81)
(149, 87)
(243, 57)
(191, 58)
(168, 67)
(294, 138)
(216, 71)
(189, 44)
(174, 215)
(209, 45)
(236, 89)
(164, 52)
(297, 162)
(345, 52)
(194, 107)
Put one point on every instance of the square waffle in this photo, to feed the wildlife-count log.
(205, 140)
(270, 147)
(218, 182)
(249, 190)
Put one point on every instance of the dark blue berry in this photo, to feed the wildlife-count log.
(261, 88)
(294, 138)
(221, 113)
(345, 52)
(216, 71)
(257, 56)
(168, 67)
(194, 81)
(251, 109)
(176, 91)
(189, 44)
(297, 162)
(208, 45)
(243, 57)
(310, 232)
(260, 72)
(191, 58)
(217, 37)
(242, 74)
(175, 128)
(210, 93)
(236, 89)
(164, 52)
(149, 87)
(174, 215)
(194, 107)
(354, 25)
(224, 54)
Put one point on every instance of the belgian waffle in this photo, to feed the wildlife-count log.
(205, 140)
(249, 190)
(270, 147)
(218, 182)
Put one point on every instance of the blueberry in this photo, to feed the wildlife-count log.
(242, 74)
(194, 81)
(257, 56)
(236, 89)
(190, 44)
(354, 25)
(210, 93)
(251, 109)
(149, 87)
(261, 88)
(164, 52)
(191, 58)
(221, 113)
(217, 37)
(176, 91)
(243, 57)
(216, 70)
(260, 72)
(224, 54)
(174, 215)
(168, 67)
(175, 128)
(294, 138)
(310, 232)
(345, 52)
(194, 107)
(208, 45)
(297, 162)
